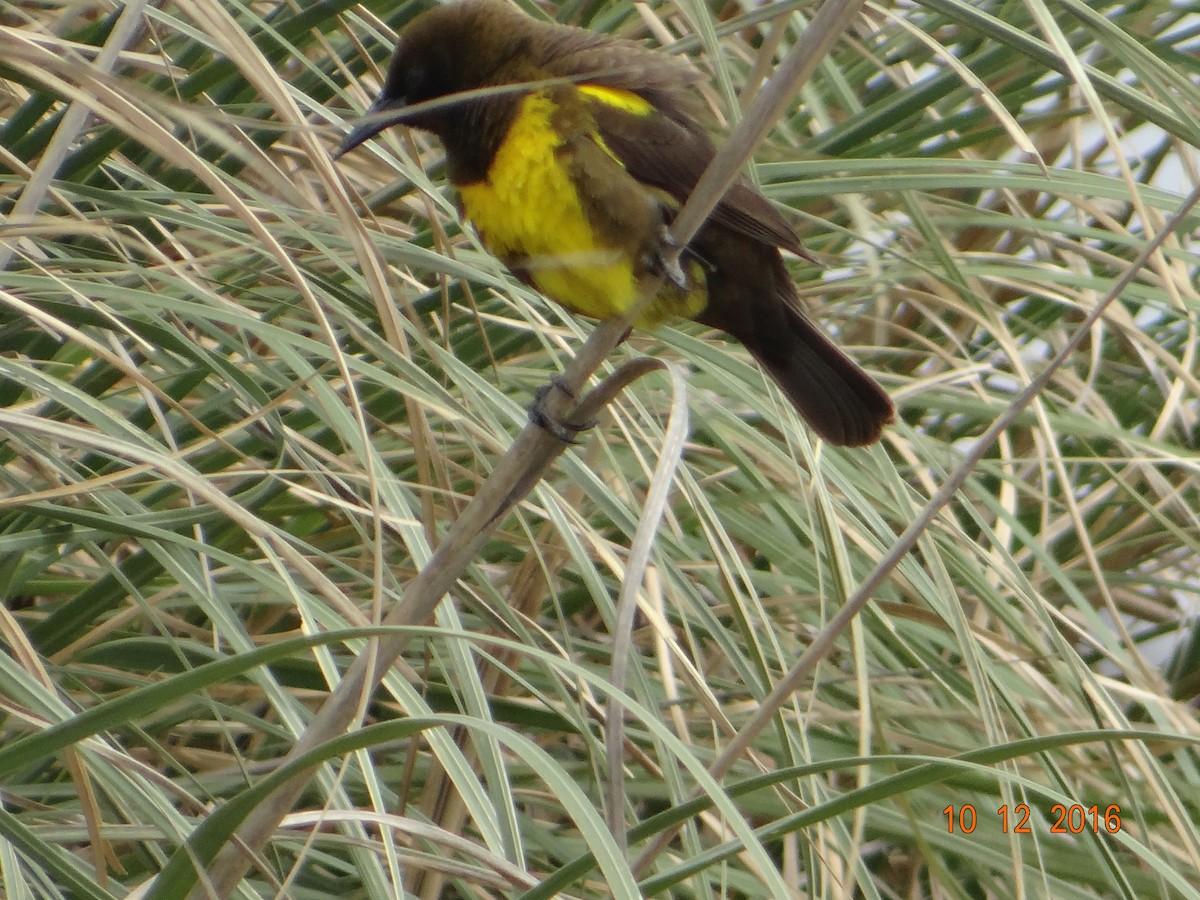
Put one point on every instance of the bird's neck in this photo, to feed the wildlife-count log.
(473, 132)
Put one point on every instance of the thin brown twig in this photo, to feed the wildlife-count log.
(532, 451)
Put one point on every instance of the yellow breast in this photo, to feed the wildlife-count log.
(529, 214)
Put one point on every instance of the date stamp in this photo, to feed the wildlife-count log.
(1073, 819)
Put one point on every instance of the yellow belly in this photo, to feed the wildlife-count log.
(529, 214)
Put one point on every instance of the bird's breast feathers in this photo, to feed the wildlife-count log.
(559, 208)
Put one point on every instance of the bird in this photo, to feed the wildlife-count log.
(570, 152)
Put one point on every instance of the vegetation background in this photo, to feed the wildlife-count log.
(243, 391)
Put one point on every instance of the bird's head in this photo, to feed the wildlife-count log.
(465, 46)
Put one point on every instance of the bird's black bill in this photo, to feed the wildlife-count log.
(383, 114)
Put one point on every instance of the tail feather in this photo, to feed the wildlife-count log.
(840, 401)
(751, 297)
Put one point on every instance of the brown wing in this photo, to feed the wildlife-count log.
(671, 152)
(667, 149)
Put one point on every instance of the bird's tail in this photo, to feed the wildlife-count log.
(841, 402)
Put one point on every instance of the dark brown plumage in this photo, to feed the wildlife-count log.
(571, 177)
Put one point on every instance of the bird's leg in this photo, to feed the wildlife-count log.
(539, 416)
(664, 261)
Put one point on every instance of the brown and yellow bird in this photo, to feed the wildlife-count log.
(572, 171)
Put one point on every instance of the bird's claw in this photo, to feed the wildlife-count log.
(564, 431)
(666, 261)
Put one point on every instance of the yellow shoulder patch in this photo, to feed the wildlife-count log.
(618, 97)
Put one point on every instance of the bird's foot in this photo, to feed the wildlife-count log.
(564, 431)
(666, 261)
